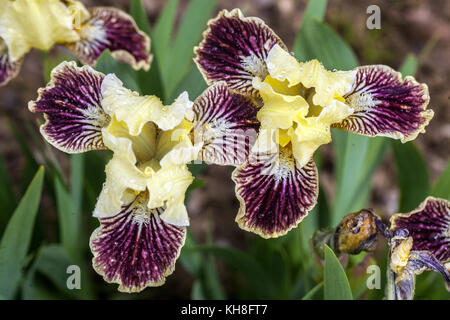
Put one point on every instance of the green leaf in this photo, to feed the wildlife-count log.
(336, 286)
(149, 82)
(310, 295)
(315, 10)
(357, 157)
(69, 206)
(441, 188)
(107, 64)
(16, 239)
(193, 83)
(52, 262)
(137, 11)
(197, 291)
(318, 41)
(188, 35)
(163, 31)
(412, 175)
(409, 66)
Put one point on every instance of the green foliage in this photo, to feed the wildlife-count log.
(336, 286)
(441, 188)
(412, 175)
(16, 239)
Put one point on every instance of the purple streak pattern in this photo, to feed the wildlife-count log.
(429, 226)
(8, 69)
(71, 103)
(386, 105)
(275, 195)
(234, 49)
(112, 29)
(135, 248)
(226, 123)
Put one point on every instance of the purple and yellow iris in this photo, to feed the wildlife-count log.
(40, 24)
(141, 208)
(299, 103)
(420, 242)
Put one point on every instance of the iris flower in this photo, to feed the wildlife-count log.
(40, 24)
(299, 103)
(420, 242)
(141, 208)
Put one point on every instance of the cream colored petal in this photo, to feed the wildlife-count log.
(182, 153)
(27, 24)
(336, 111)
(168, 187)
(279, 109)
(123, 182)
(168, 140)
(176, 213)
(328, 85)
(283, 66)
(307, 138)
(136, 110)
(140, 148)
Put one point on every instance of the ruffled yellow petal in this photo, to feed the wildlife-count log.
(328, 85)
(140, 148)
(282, 66)
(168, 186)
(27, 24)
(123, 182)
(279, 109)
(136, 111)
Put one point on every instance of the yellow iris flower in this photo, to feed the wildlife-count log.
(152, 145)
(300, 103)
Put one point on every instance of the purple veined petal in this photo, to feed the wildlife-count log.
(420, 261)
(274, 193)
(226, 124)
(429, 226)
(8, 69)
(71, 103)
(113, 29)
(386, 105)
(234, 49)
(136, 248)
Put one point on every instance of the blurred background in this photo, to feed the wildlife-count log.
(420, 29)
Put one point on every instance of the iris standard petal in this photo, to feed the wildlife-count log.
(71, 103)
(27, 24)
(428, 225)
(327, 85)
(234, 49)
(136, 111)
(136, 248)
(386, 105)
(123, 181)
(226, 124)
(114, 30)
(274, 193)
(8, 68)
